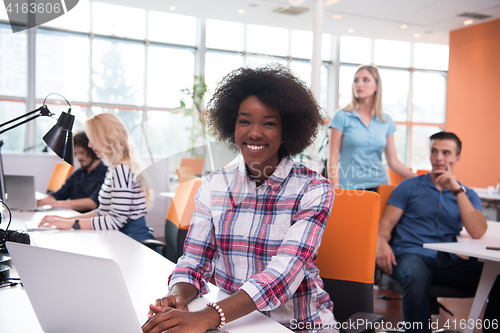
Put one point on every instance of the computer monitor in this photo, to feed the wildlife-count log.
(2, 179)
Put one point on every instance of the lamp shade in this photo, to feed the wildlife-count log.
(60, 138)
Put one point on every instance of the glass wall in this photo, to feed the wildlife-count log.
(138, 63)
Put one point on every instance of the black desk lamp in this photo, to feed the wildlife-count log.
(59, 138)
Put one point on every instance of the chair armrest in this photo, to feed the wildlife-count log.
(152, 243)
(362, 322)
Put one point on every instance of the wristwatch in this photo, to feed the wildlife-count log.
(460, 190)
(76, 225)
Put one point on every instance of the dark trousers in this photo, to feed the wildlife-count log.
(417, 272)
(137, 229)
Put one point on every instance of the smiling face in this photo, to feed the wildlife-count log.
(258, 134)
(364, 84)
(444, 155)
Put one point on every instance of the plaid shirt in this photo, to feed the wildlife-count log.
(263, 240)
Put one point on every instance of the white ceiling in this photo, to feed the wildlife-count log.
(432, 19)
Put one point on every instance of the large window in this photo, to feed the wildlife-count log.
(117, 72)
(13, 62)
(14, 140)
(166, 79)
(226, 51)
(59, 60)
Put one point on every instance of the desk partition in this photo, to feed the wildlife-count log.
(145, 273)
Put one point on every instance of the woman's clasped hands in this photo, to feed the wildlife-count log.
(172, 315)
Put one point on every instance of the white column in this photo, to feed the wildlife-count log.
(319, 9)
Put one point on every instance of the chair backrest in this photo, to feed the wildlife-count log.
(179, 217)
(184, 179)
(422, 172)
(62, 170)
(346, 257)
(394, 178)
(184, 171)
(349, 244)
(194, 163)
(181, 208)
(385, 192)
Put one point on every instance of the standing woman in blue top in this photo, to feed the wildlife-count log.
(359, 134)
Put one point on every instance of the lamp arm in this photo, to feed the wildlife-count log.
(43, 111)
(69, 111)
(20, 117)
(20, 123)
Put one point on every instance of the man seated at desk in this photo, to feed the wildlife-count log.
(428, 209)
(81, 189)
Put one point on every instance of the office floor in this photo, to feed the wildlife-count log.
(393, 311)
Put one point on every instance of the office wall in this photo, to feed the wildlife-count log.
(473, 101)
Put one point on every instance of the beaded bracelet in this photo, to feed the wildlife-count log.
(221, 314)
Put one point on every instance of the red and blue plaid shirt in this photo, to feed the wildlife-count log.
(263, 240)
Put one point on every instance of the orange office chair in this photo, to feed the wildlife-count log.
(62, 170)
(394, 178)
(346, 257)
(184, 171)
(179, 217)
(385, 192)
(195, 163)
(422, 172)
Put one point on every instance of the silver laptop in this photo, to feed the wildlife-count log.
(74, 293)
(20, 192)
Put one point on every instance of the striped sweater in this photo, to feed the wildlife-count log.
(121, 199)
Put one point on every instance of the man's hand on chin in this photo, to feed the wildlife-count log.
(446, 179)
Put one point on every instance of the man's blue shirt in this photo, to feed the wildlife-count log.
(430, 216)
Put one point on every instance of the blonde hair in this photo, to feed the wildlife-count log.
(377, 99)
(108, 134)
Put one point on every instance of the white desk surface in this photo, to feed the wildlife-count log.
(21, 218)
(483, 194)
(473, 247)
(171, 192)
(145, 273)
(465, 245)
(167, 194)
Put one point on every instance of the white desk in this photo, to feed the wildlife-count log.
(145, 273)
(491, 199)
(167, 194)
(172, 190)
(477, 248)
(20, 218)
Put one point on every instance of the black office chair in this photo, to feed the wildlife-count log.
(154, 244)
